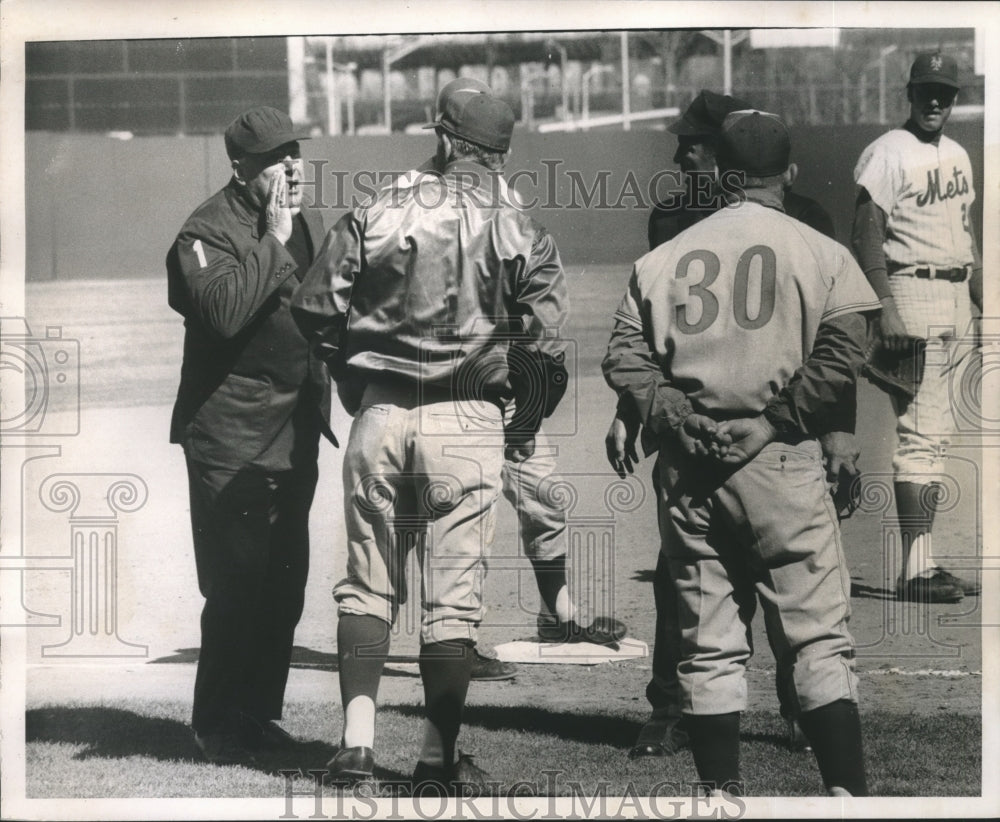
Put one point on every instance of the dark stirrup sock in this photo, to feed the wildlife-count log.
(550, 574)
(715, 744)
(362, 647)
(834, 731)
(445, 668)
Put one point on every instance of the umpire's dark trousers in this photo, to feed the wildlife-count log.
(251, 546)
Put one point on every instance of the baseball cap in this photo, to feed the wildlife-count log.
(460, 84)
(479, 118)
(935, 68)
(754, 141)
(260, 130)
(706, 113)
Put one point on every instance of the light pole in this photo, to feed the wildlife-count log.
(549, 46)
(593, 71)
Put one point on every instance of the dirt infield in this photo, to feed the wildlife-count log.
(129, 353)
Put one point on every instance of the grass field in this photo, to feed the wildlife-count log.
(120, 729)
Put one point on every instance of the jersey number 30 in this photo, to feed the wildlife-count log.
(741, 289)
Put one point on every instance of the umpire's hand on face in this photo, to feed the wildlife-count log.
(619, 443)
(277, 214)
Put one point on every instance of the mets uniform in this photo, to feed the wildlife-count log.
(731, 320)
(924, 187)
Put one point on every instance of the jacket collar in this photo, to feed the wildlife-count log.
(246, 212)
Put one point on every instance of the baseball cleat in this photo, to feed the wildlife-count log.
(602, 631)
(929, 590)
(969, 587)
(464, 778)
(352, 765)
(838, 791)
(491, 669)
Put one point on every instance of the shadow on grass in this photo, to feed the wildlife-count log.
(644, 575)
(302, 657)
(598, 729)
(114, 733)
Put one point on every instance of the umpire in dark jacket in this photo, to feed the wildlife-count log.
(250, 409)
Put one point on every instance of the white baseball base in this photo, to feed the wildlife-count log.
(569, 653)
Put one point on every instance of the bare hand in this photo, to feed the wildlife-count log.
(697, 434)
(738, 441)
(619, 443)
(840, 455)
(891, 331)
(519, 449)
(277, 214)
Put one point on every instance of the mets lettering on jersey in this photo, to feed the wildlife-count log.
(926, 192)
(717, 287)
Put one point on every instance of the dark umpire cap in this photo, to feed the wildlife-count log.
(934, 68)
(705, 114)
(479, 118)
(469, 85)
(754, 142)
(260, 130)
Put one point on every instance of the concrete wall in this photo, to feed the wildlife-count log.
(105, 208)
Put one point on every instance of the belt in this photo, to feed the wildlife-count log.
(931, 272)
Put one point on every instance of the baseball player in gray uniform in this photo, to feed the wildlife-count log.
(541, 521)
(426, 292)
(697, 132)
(914, 238)
(758, 323)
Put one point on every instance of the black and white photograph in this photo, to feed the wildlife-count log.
(499, 410)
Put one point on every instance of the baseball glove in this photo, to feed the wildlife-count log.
(896, 372)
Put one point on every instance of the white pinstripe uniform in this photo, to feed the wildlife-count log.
(926, 192)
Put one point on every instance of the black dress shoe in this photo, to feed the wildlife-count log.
(351, 765)
(224, 749)
(659, 737)
(464, 778)
(265, 735)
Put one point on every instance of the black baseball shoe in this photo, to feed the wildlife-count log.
(929, 590)
(969, 587)
(224, 748)
(491, 669)
(602, 631)
(660, 736)
(464, 778)
(351, 765)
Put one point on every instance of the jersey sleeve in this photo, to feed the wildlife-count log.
(879, 172)
(850, 290)
(628, 310)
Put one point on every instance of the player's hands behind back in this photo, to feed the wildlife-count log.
(738, 441)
